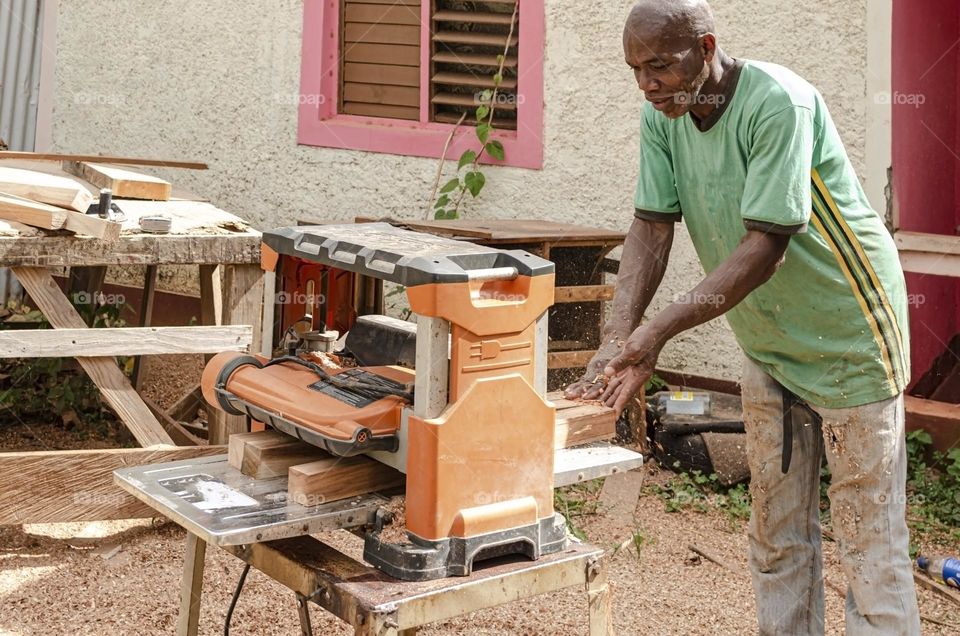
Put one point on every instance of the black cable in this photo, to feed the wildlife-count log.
(233, 601)
(371, 389)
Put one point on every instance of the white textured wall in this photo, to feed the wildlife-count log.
(217, 82)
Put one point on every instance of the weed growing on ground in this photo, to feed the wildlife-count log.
(577, 501)
(699, 492)
(933, 488)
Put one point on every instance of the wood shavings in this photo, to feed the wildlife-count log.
(396, 529)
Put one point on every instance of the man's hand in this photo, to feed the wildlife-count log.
(629, 371)
(592, 384)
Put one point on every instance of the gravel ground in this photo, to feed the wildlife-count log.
(123, 578)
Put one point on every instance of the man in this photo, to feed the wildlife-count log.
(746, 154)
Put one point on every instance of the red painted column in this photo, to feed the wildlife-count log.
(926, 156)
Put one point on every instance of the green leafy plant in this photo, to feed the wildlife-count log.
(699, 492)
(577, 501)
(469, 177)
(35, 388)
(933, 487)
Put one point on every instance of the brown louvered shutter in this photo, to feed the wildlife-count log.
(380, 73)
(467, 37)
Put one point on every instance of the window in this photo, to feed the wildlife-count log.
(396, 75)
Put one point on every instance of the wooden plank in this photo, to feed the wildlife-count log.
(111, 381)
(381, 94)
(269, 453)
(381, 74)
(32, 213)
(470, 79)
(381, 34)
(146, 320)
(191, 586)
(475, 59)
(460, 99)
(583, 424)
(383, 54)
(583, 293)
(926, 242)
(67, 251)
(54, 156)
(185, 409)
(59, 486)
(45, 188)
(123, 341)
(473, 17)
(569, 359)
(180, 435)
(381, 110)
(92, 226)
(382, 14)
(475, 37)
(124, 183)
(242, 305)
(335, 478)
(940, 419)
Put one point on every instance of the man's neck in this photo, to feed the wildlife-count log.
(715, 86)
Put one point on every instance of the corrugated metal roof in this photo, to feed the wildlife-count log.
(20, 41)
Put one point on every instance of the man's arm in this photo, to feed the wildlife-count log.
(642, 265)
(752, 263)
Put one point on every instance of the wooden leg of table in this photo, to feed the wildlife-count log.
(84, 286)
(191, 585)
(242, 305)
(111, 381)
(146, 317)
(598, 597)
(381, 625)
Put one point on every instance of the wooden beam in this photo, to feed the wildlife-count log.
(242, 305)
(32, 213)
(335, 478)
(569, 359)
(176, 431)
(137, 249)
(269, 453)
(940, 419)
(125, 184)
(52, 156)
(185, 409)
(92, 226)
(59, 486)
(109, 379)
(123, 341)
(583, 424)
(51, 189)
(583, 293)
(923, 253)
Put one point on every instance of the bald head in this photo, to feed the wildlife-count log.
(672, 49)
(682, 21)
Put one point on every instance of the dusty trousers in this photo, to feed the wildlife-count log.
(866, 453)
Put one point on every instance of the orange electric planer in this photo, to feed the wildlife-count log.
(469, 425)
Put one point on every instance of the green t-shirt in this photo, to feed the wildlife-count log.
(831, 324)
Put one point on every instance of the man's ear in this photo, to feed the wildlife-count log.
(708, 47)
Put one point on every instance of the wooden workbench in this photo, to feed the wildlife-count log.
(53, 486)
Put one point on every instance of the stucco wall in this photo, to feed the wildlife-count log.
(218, 81)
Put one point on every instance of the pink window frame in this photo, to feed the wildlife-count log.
(321, 125)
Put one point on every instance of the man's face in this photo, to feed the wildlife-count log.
(669, 70)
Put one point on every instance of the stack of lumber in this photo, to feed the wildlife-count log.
(58, 202)
(315, 477)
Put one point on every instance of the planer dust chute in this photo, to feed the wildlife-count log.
(469, 425)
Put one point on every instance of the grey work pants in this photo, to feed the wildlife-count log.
(866, 453)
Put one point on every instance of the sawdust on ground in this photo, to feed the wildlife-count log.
(123, 578)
